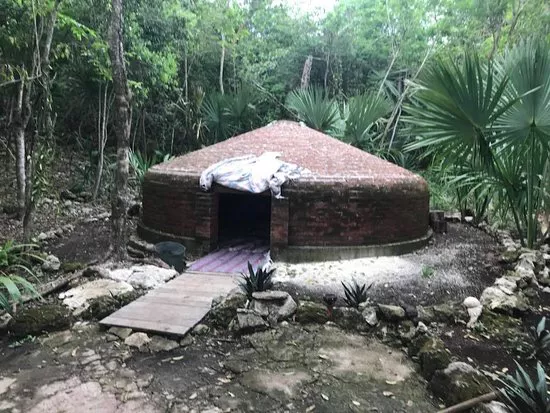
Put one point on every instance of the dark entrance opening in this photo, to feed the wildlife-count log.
(244, 216)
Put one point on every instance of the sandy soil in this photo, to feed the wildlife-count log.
(463, 262)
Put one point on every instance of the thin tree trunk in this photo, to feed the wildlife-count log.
(20, 157)
(326, 70)
(185, 76)
(119, 202)
(45, 70)
(222, 61)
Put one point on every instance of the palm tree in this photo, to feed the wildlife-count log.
(491, 122)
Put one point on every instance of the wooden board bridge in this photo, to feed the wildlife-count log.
(176, 307)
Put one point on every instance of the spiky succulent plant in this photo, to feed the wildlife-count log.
(355, 294)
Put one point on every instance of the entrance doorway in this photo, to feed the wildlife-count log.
(244, 216)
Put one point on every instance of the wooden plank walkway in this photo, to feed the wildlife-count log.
(177, 306)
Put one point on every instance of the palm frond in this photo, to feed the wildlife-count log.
(362, 113)
(313, 107)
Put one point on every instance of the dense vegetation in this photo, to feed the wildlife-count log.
(389, 77)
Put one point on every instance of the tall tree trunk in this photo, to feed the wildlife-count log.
(306, 72)
(45, 69)
(222, 62)
(119, 201)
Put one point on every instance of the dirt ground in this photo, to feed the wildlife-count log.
(319, 368)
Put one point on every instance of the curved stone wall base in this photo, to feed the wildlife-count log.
(295, 254)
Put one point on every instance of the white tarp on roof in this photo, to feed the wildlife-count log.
(252, 173)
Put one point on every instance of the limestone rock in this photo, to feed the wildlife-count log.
(510, 256)
(445, 313)
(120, 332)
(496, 299)
(142, 276)
(36, 320)
(4, 321)
(224, 309)
(51, 263)
(348, 318)
(507, 284)
(138, 340)
(106, 305)
(200, 329)
(421, 328)
(186, 341)
(249, 321)
(272, 295)
(406, 331)
(78, 299)
(416, 344)
(433, 356)
(275, 305)
(158, 343)
(458, 382)
(311, 312)
(370, 316)
(46, 236)
(391, 312)
(425, 314)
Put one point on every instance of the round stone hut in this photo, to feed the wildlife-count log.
(350, 204)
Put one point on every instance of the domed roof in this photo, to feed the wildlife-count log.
(327, 158)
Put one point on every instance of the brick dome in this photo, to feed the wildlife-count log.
(351, 204)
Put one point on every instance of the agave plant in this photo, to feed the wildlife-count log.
(355, 294)
(255, 281)
(492, 121)
(522, 394)
(541, 339)
(313, 107)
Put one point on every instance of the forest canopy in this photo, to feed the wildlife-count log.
(201, 71)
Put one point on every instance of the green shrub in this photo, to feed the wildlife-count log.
(15, 259)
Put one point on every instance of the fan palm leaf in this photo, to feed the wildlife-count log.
(313, 107)
(362, 113)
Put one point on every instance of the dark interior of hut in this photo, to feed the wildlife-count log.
(243, 216)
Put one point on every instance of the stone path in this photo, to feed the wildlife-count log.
(177, 306)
